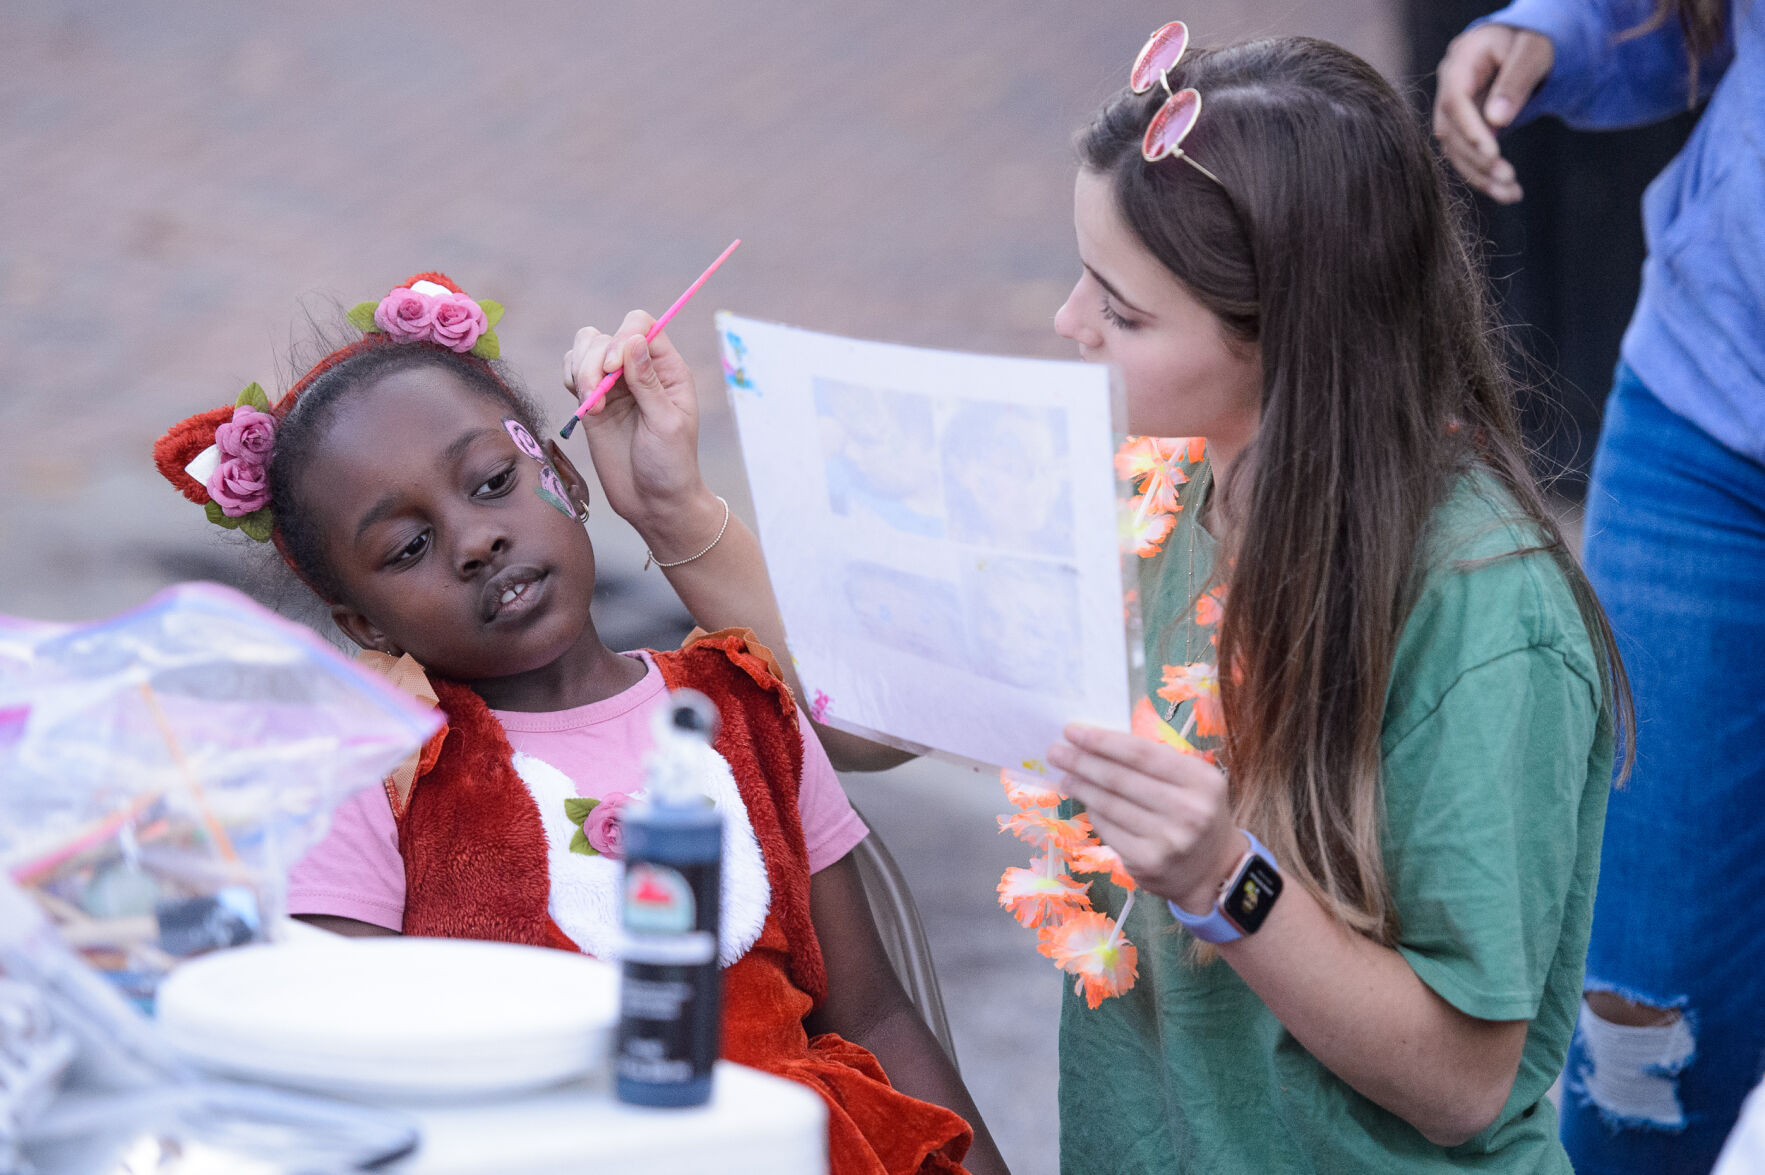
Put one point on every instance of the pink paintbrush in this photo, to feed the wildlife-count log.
(612, 377)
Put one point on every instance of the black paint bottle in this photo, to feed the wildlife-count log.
(671, 991)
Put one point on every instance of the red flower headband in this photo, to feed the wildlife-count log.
(220, 459)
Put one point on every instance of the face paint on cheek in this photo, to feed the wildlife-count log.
(551, 488)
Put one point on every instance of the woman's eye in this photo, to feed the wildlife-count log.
(497, 483)
(1115, 318)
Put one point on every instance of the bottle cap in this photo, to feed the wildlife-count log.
(683, 731)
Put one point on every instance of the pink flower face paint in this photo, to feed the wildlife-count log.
(551, 486)
(523, 439)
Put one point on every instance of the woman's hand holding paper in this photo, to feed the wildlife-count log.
(1163, 810)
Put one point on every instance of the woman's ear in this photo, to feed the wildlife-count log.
(362, 631)
(573, 480)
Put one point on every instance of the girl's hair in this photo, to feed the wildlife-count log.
(1329, 244)
(335, 373)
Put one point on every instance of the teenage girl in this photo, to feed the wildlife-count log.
(402, 480)
(1369, 948)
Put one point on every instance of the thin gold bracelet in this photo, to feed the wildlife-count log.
(649, 556)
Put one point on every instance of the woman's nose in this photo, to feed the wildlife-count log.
(1069, 322)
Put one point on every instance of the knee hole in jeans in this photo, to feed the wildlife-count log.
(1634, 1053)
(1615, 1009)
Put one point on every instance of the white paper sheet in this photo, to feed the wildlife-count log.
(941, 531)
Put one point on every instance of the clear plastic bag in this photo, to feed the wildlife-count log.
(131, 1102)
(161, 770)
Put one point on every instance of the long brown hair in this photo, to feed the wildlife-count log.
(1330, 244)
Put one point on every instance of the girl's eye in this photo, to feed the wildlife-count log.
(411, 550)
(497, 483)
(1116, 319)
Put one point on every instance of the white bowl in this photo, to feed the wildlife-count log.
(394, 1018)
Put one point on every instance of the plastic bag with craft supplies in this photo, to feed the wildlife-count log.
(90, 1086)
(161, 770)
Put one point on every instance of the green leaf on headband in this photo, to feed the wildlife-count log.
(253, 397)
(219, 518)
(487, 347)
(258, 524)
(361, 316)
(579, 844)
(493, 313)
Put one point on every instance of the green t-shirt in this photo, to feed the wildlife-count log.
(1498, 758)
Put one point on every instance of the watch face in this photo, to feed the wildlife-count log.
(1250, 899)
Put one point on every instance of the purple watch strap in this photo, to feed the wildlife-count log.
(1214, 926)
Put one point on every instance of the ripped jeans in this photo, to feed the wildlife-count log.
(1676, 549)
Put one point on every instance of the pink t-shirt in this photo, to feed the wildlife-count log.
(356, 871)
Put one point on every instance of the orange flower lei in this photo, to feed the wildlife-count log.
(1048, 897)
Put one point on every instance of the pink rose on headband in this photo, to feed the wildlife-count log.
(602, 828)
(250, 435)
(458, 322)
(427, 312)
(240, 486)
(406, 315)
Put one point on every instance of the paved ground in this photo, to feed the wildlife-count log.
(178, 176)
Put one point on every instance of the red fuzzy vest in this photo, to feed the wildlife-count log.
(474, 849)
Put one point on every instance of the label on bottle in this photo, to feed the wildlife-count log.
(671, 992)
(658, 900)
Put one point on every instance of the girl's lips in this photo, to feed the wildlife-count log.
(512, 593)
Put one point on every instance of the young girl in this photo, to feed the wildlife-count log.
(1361, 949)
(401, 479)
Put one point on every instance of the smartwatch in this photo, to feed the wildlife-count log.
(1244, 902)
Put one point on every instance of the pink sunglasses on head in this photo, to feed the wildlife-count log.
(1176, 118)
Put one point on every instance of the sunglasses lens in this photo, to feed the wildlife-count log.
(1163, 50)
(1174, 120)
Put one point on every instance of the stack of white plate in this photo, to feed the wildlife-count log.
(394, 1018)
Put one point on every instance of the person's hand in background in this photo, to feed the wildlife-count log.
(1487, 75)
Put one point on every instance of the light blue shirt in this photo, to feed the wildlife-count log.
(1697, 336)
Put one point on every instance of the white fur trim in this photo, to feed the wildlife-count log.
(585, 890)
(203, 465)
(434, 291)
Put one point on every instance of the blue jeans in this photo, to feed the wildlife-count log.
(1676, 549)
